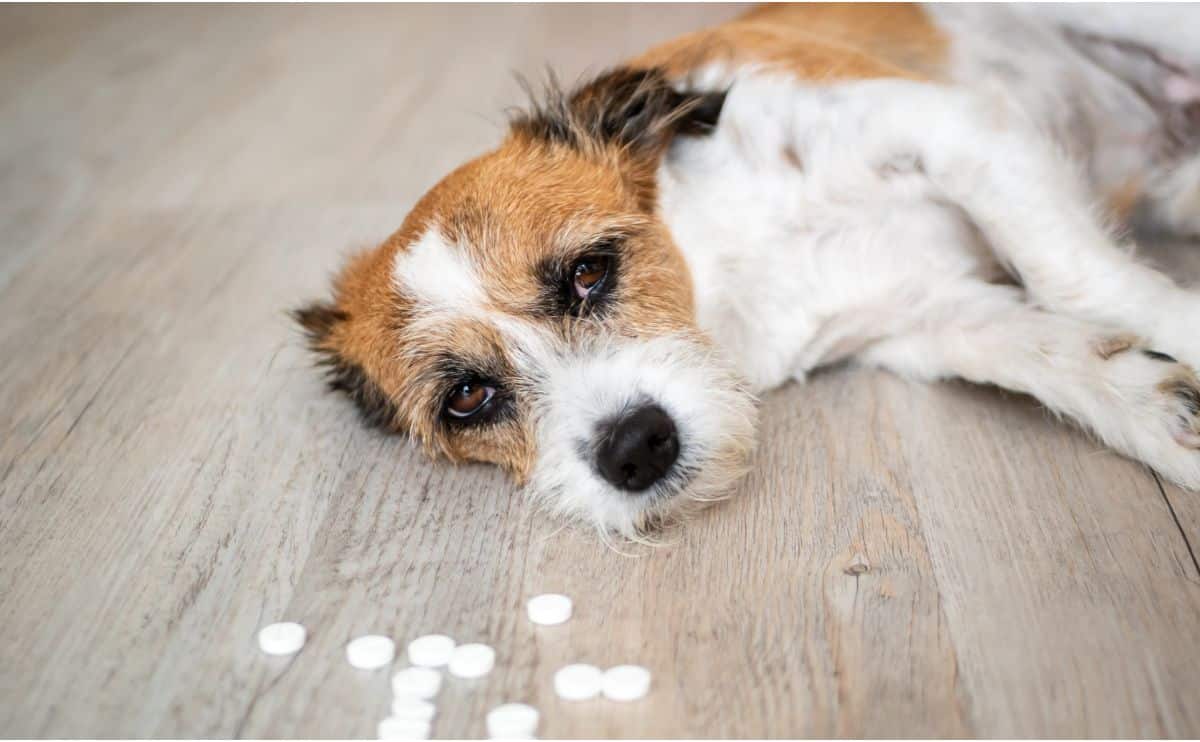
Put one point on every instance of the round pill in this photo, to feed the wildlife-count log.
(282, 638)
(370, 652)
(549, 609)
(416, 682)
(472, 661)
(578, 682)
(395, 728)
(626, 682)
(412, 709)
(512, 721)
(432, 650)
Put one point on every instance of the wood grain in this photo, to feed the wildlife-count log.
(904, 560)
(1181, 259)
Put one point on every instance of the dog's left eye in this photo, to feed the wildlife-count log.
(588, 274)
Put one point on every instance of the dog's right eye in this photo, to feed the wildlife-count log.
(468, 398)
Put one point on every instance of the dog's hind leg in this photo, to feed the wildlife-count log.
(1168, 182)
(1133, 397)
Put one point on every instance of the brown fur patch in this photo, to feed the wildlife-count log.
(792, 157)
(1124, 199)
(1111, 345)
(816, 41)
(1183, 385)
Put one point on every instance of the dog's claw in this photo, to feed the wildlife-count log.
(1187, 391)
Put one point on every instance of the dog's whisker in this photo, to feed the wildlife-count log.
(606, 539)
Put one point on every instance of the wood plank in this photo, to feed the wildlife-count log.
(1067, 589)
(1181, 259)
(903, 560)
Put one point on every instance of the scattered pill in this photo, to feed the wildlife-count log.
(432, 650)
(472, 660)
(395, 728)
(416, 682)
(412, 709)
(578, 682)
(512, 721)
(626, 683)
(370, 652)
(282, 638)
(549, 609)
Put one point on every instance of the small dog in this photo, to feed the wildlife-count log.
(595, 304)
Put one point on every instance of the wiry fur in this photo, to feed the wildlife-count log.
(800, 187)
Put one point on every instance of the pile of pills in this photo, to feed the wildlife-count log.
(415, 687)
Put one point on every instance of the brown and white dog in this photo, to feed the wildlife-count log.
(595, 304)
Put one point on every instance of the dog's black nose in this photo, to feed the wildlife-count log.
(637, 449)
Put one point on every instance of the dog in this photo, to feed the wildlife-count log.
(598, 304)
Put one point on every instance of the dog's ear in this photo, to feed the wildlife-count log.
(637, 110)
(321, 322)
(640, 109)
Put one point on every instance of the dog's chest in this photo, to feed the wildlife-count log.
(800, 254)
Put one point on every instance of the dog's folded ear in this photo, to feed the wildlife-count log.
(321, 322)
(635, 109)
(640, 108)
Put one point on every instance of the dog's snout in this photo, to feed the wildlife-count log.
(637, 449)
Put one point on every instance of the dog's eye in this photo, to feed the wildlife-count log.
(588, 274)
(468, 398)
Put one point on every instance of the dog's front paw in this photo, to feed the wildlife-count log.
(1159, 398)
(1183, 399)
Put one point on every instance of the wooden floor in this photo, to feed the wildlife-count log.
(904, 560)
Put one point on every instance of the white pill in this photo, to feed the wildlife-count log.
(371, 652)
(512, 721)
(412, 709)
(282, 638)
(549, 609)
(416, 682)
(472, 661)
(394, 728)
(432, 650)
(578, 682)
(626, 682)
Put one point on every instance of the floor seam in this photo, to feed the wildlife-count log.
(1186, 542)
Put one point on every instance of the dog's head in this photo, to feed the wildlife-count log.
(533, 312)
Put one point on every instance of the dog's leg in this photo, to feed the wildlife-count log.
(984, 155)
(1136, 399)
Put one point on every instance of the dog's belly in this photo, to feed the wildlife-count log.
(801, 255)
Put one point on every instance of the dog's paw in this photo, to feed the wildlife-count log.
(1159, 399)
(1183, 396)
